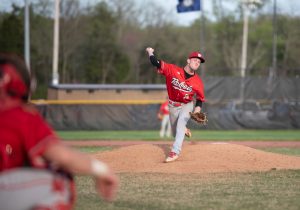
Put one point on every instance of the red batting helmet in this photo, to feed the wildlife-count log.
(197, 55)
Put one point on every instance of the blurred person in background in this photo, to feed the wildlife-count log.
(163, 116)
(36, 169)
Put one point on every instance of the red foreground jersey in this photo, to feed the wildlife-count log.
(24, 136)
(181, 89)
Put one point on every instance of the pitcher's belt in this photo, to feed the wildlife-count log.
(175, 103)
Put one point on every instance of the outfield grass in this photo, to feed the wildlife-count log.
(92, 149)
(280, 150)
(201, 135)
(273, 190)
(283, 150)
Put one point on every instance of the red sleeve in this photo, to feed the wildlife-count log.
(39, 138)
(165, 68)
(200, 91)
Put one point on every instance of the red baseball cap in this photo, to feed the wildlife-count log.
(197, 55)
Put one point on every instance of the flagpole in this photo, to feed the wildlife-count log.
(55, 75)
(244, 52)
(27, 36)
(274, 51)
(246, 5)
(202, 35)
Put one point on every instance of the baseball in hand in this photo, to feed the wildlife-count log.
(150, 50)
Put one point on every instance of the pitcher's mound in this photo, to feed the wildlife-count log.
(204, 158)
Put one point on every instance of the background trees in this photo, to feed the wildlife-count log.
(105, 43)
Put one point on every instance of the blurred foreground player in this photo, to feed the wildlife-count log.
(36, 169)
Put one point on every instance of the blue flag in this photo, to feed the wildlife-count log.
(188, 5)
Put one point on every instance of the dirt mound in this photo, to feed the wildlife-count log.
(204, 158)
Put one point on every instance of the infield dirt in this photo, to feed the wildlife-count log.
(202, 158)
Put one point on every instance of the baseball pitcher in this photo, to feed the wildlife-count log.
(182, 84)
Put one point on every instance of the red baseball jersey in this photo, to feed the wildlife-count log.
(164, 108)
(24, 136)
(181, 89)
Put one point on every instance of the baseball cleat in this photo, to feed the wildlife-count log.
(188, 133)
(171, 157)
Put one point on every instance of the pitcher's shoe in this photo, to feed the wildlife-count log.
(188, 133)
(171, 157)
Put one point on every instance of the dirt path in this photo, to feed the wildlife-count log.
(196, 157)
(253, 144)
(203, 159)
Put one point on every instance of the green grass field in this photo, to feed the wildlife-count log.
(280, 150)
(273, 190)
(199, 135)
